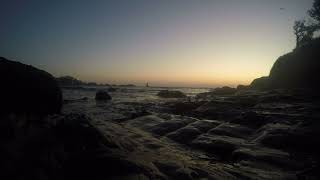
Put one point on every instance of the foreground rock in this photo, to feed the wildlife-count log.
(66, 147)
(102, 96)
(171, 94)
(247, 135)
(26, 89)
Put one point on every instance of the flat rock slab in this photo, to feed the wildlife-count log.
(220, 145)
(233, 130)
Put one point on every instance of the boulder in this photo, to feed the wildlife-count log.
(102, 96)
(261, 83)
(224, 91)
(171, 94)
(242, 87)
(26, 89)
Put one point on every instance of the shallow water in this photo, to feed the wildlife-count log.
(125, 103)
(129, 94)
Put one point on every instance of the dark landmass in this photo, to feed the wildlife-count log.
(26, 89)
(298, 69)
(71, 82)
(126, 85)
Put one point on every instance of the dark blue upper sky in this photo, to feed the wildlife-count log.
(165, 42)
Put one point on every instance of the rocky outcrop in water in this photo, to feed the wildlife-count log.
(102, 96)
(26, 89)
(69, 81)
(171, 94)
(261, 83)
(224, 90)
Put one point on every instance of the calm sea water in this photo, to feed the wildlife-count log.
(128, 94)
(125, 101)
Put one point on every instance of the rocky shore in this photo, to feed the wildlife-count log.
(268, 130)
(248, 135)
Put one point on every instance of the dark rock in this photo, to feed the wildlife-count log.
(171, 94)
(184, 135)
(273, 157)
(297, 138)
(216, 109)
(166, 127)
(102, 96)
(171, 125)
(126, 85)
(112, 89)
(220, 145)
(146, 122)
(69, 81)
(261, 83)
(91, 84)
(297, 69)
(205, 96)
(224, 91)
(279, 98)
(26, 89)
(250, 119)
(205, 125)
(233, 130)
(67, 101)
(183, 108)
(242, 87)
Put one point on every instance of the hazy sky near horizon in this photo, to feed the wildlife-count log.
(163, 42)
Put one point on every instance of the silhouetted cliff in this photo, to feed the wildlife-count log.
(26, 89)
(297, 69)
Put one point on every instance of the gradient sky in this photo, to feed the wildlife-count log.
(163, 42)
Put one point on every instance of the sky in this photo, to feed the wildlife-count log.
(201, 43)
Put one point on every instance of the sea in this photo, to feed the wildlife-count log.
(128, 94)
(126, 101)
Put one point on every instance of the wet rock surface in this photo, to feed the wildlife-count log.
(247, 135)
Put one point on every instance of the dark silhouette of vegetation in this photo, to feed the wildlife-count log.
(315, 11)
(305, 30)
(300, 68)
